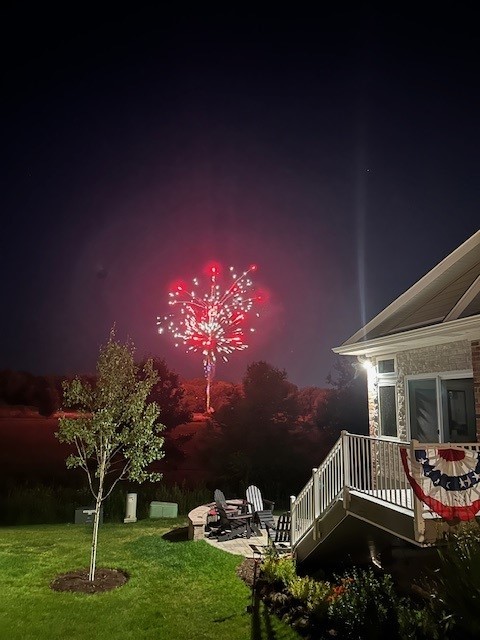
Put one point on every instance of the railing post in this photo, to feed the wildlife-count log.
(293, 521)
(316, 493)
(316, 500)
(346, 469)
(418, 521)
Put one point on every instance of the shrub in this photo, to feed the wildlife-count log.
(420, 624)
(313, 593)
(365, 606)
(278, 569)
(456, 589)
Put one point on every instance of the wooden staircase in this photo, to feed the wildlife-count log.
(359, 500)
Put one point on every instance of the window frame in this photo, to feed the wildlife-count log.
(387, 380)
(439, 377)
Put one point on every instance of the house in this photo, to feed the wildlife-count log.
(422, 354)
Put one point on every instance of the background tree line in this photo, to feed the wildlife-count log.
(265, 430)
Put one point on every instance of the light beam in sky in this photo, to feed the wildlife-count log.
(213, 323)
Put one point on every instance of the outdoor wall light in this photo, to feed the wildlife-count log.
(366, 363)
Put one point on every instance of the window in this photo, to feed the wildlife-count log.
(441, 409)
(387, 401)
(386, 366)
(422, 396)
(387, 411)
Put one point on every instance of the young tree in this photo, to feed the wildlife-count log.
(116, 434)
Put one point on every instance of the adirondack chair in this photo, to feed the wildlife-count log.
(233, 525)
(229, 506)
(279, 535)
(262, 516)
(234, 507)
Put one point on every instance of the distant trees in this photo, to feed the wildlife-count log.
(115, 431)
(263, 430)
(272, 433)
(169, 394)
(221, 393)
(20, 388)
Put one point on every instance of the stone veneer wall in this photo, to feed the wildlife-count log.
(454, 356)
(476, 381)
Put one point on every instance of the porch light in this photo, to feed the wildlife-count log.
(366, 363)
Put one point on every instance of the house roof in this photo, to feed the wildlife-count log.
(445, 302)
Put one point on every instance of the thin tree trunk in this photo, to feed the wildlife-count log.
(96, 522)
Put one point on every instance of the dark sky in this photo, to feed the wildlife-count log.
(338, 151)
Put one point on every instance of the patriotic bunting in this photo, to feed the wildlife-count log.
(446, 480)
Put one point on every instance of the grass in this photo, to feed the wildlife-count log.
(177, 589)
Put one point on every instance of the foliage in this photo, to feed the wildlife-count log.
(115, 430)
(223, 395)
(421, 624)
(366, 606)
(346, 406)
(314, 593)
(177, 589)
(254, 439)
(278, 569)
(168, 394)
(456, 592)
(29, 504)
(25, 389)
(269, 394)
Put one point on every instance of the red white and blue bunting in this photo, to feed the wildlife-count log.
(446, 480)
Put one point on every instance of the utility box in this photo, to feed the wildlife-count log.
(131, 509)
(86, 515)
(163, 510)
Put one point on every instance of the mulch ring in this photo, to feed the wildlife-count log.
(77, 581)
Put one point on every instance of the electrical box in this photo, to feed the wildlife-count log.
(86, 515)
(163, 510)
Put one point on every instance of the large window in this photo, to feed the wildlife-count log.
(441, 409)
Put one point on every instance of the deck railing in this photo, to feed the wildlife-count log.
(320, 492)
(363, 464)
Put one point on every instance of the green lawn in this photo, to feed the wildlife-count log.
(177, 589)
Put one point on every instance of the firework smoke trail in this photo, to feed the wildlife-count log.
(212, 323)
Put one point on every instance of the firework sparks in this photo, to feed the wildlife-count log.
(212, 323)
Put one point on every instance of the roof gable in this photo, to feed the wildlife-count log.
(448, 292)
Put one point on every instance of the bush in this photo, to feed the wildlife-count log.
(314, 594)
(364, 605)
(45, 504)
(456, 588)
(278, 569)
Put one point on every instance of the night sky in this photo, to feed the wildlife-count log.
(338, 152)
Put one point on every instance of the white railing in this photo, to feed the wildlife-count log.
(375, 469)
(362, 464)
(320, 492)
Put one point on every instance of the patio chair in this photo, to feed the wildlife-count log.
(230, 506)
(233, 525)
(279, 535)
(262, 516)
